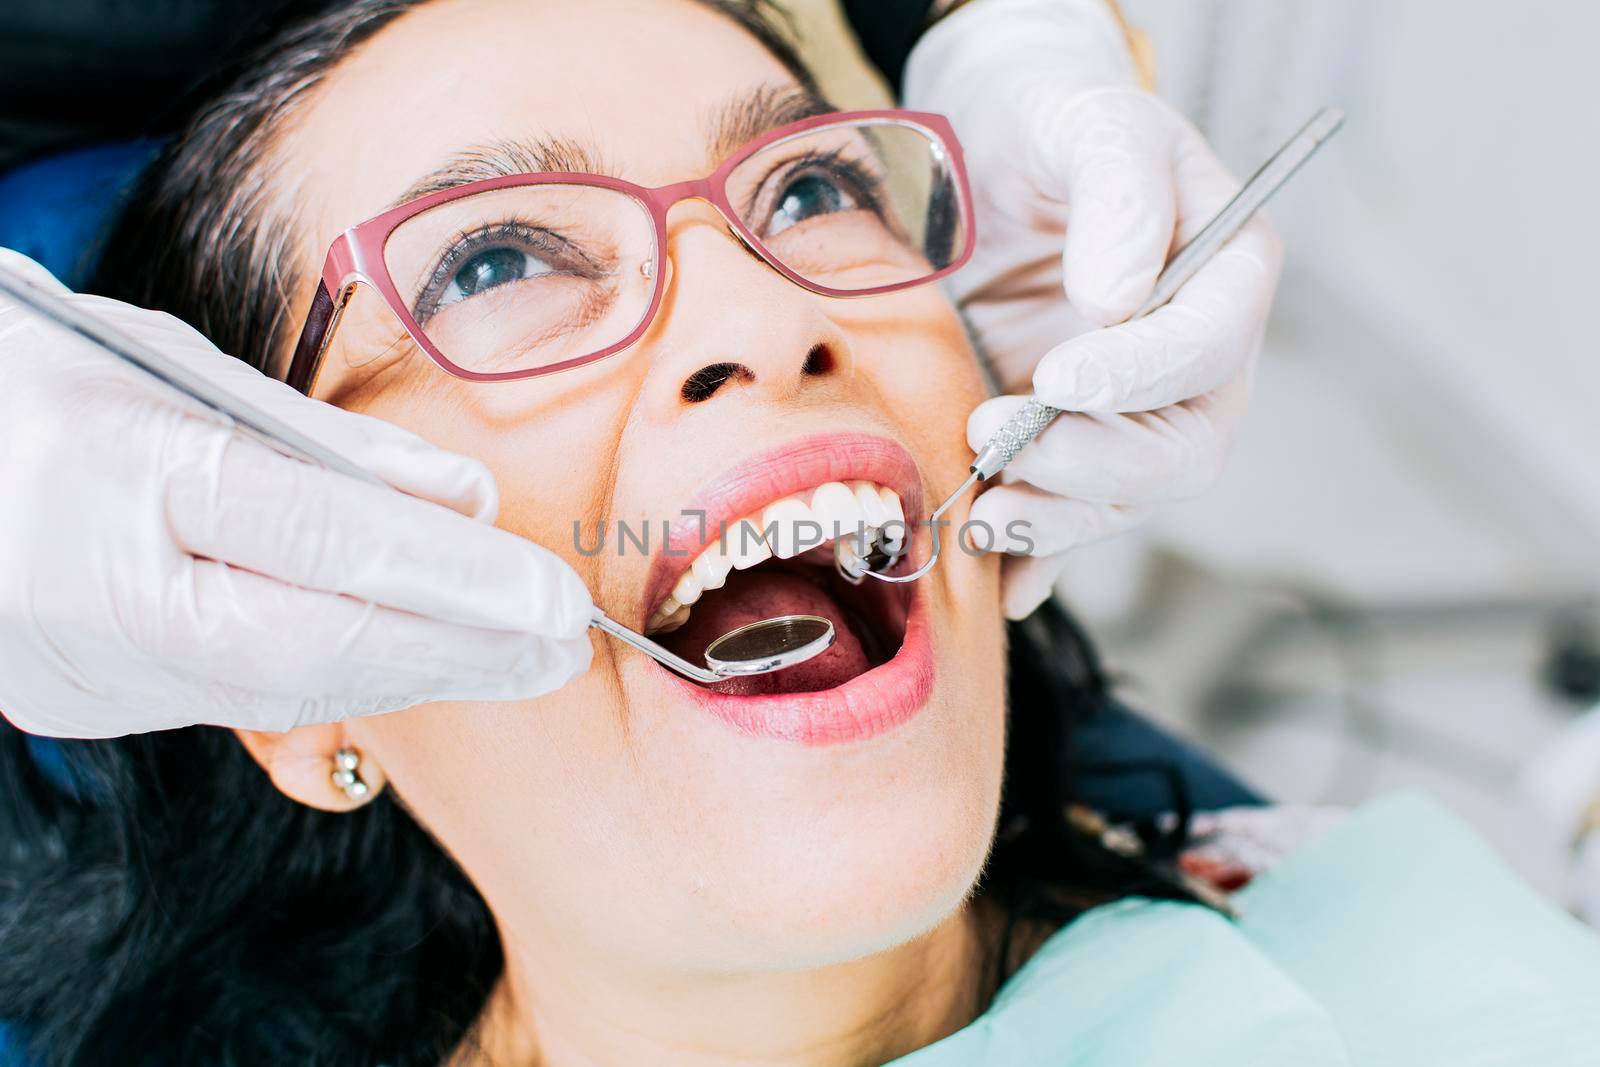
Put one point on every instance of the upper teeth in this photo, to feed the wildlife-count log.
(784, 528)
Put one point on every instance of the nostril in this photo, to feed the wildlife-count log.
(704, 383)
(818, 361)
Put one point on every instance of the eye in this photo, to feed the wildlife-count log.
(806, 197)
(481, 271)
(494, 256)
(490, 268)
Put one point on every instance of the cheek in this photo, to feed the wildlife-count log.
(548, 442)
(527, 796)
(914, 351)
(552, 472)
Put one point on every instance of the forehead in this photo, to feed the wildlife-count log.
(638, 84)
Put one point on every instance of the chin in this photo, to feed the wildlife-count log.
(888, 895)
(874, 857)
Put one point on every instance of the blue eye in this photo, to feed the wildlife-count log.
(489, 269)
(805, 198)
(498, 255)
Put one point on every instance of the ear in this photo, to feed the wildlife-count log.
(301, 765)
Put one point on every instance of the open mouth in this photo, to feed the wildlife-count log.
(779, 560)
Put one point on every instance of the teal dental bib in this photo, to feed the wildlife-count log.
(1397, 939)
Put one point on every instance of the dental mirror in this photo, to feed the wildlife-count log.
(769, 645)
(756, 648)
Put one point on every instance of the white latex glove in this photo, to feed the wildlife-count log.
(159, 570)
(1085, 182)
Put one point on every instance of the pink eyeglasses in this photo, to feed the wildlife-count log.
(518, 276)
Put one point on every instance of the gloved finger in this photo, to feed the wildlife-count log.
(1196, 343)
(1029, 521)
(1202, 183)
(1027, 581)
(1114, 160)
(15, 263)
(282, 657)
(231, 499)
(1141, 458)
(390, 453)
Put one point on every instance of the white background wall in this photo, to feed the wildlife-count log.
(1368, 598)
(1441, 257)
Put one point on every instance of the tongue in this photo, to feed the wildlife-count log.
(762, 593)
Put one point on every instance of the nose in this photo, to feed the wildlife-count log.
(731, 326)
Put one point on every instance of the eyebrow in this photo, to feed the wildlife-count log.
(747, 116)
(502, 158)
(738, 121)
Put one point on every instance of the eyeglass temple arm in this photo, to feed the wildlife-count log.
(321, 322)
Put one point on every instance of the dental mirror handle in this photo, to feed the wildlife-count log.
(1031, 418)
(601, 621)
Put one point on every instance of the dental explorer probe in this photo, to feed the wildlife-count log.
(755, 648)
(1031, 419)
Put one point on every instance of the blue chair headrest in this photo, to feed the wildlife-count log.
(58, 209)
(11, 1046)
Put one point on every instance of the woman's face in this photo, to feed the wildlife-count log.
(635, 817)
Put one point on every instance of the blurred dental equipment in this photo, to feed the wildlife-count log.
(855, 560)
(1561, 787)
(757, 648)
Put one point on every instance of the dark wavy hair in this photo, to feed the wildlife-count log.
(161, 903)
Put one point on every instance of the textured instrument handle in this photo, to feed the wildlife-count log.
(1009, 439)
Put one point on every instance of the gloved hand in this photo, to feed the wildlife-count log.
(159, 570)
(1084, 182)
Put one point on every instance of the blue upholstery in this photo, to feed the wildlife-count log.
(1123, 743)
(9, 1042)
(57, 210)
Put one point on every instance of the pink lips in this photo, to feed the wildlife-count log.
(867, 705)
(770, 476)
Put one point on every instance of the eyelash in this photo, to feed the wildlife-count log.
(466, 244)
(865, 185)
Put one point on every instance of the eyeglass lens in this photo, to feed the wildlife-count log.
(533, 276)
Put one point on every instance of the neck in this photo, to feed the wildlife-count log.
(870, 1010)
